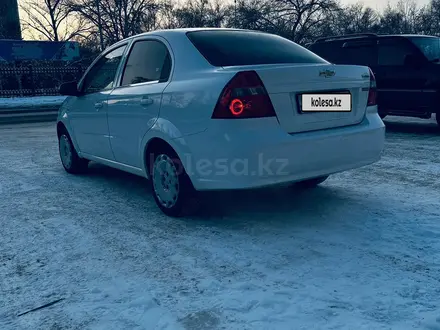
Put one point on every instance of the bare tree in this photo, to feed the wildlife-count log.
(296, 19)
(403, 18)
(350, 19)
(194, 13)
(411, 15)
(51, 20)
(429, 18)
(116, 19)
(250, 14)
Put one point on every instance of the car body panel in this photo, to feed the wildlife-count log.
(260, 153)
(181, 112)
(285, 83)
(90, 124)
(129, 119)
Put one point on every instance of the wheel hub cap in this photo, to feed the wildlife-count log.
(165, 181)
(65, 151)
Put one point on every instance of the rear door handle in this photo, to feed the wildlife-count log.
(98, 105)
(146, 101)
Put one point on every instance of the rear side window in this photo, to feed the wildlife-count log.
(347, 52)
(329, 51)
(148, 61)
(362, 54)
(232, 48)
(393, 52)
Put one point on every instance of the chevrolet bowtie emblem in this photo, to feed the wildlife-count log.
(327, 73)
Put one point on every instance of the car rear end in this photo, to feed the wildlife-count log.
(285, 115)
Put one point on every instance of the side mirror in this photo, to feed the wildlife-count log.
(69, 88)
(413, 61)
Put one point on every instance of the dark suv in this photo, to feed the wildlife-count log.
(406, 67)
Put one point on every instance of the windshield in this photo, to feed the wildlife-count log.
(430, 46)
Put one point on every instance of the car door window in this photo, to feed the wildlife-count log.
(330, 51)
(359, 53)
(394, 52)
(148, 61)
(102, 75)
(429, 46)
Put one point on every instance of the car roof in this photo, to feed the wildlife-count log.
(165, 32)
(173, 32)
(369, 36)
(185, 58)
(406, 35)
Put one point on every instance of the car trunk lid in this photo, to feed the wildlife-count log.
(285, 83)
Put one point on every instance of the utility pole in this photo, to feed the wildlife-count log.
(101, 38)
(9, 20)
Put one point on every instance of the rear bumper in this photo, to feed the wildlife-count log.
(259, 153)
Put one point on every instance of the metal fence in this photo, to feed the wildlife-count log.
(36, 79)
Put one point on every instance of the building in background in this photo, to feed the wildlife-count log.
(9, 20)
(30, 50)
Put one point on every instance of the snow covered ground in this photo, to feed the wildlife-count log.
(360, 252)
(34, 101)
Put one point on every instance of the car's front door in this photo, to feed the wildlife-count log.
(88, 116)
(400, 83)
(134, 104)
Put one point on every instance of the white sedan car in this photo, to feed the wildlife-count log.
(214, 109)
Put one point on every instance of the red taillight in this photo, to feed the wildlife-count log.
(244, 96)
(372, 93)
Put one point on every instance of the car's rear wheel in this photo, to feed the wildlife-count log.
(171, 186)
(310, 183)
(72, 163)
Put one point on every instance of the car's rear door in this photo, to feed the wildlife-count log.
(400, 86)
(134, 104)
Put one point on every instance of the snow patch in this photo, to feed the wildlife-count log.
(34, 101)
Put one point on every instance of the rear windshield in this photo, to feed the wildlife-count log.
(232, 48)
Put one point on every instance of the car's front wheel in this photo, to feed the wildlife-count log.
(72, 163)
(171, 186)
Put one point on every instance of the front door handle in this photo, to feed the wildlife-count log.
(98, 105)
(146, 101)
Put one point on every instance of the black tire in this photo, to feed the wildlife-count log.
(310, 183)
(177, 202)
(437, 118)
(76, 165)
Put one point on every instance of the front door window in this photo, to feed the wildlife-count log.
(102, 75)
